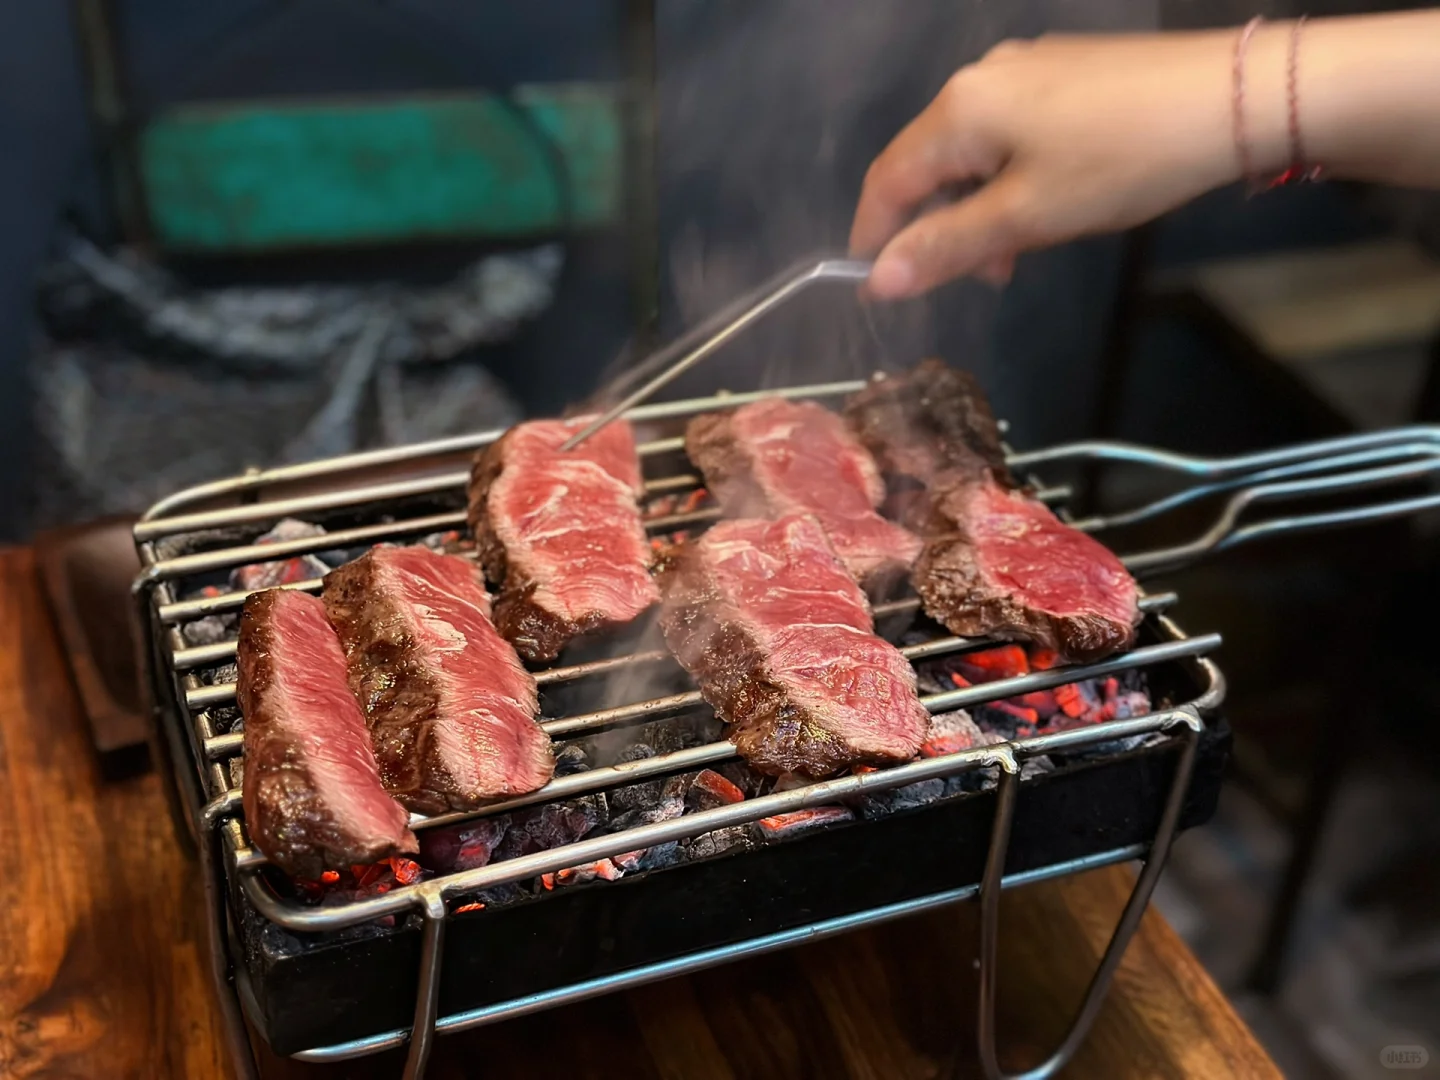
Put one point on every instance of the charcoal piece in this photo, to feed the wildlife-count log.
(211, 630)
(560, 533)
(676, 788)
(718, 842)
(571, 759)
(225, 673)
(710, 789)
(224, 719)
(635, 796)
(660, 856)
(883, 803)
(552, 825)
(776, 457)
(462, 847)
(743, 777)
(799, 822)
(779, 638)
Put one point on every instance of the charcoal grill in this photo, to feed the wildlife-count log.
(1120, 790)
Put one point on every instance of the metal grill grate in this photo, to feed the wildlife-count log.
(188, 537)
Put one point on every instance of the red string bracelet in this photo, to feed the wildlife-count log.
(1299, 170)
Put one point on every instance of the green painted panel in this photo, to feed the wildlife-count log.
(257, 176)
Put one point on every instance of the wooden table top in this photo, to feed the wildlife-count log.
(103, 969)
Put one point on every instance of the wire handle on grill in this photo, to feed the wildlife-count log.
(1228, 532)
(685, 352)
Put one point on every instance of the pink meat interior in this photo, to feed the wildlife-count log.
(325, 722)
(784, 583)
(1027, 550)
(486, 730)
(807, 460)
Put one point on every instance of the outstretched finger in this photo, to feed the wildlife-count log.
(934, 152)
(978, 235)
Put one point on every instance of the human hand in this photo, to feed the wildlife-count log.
(1065, 137)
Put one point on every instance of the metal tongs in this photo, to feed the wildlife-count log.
(1315, 469)
(689, 349)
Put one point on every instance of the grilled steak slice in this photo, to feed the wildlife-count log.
(929, 420)
(312, 792)
(450, 708)
(777, 457)
(999, 563)
(765, 617)
(560, 532)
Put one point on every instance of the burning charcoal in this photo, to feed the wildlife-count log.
(743, 777)
(952, 732)
(1002, 723)
(463, 847)
(710, 790)
(660, 506)
(883, 803)
(552, 825)
(571, 759)
(210, 630)
(225, 673)
(787, 826)
(667, 810)
(603, 869)
(636, 796)
(707, 845)
(288, 571)
(988, 665)
(446, 543)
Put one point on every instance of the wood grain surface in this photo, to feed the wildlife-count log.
(102, 970)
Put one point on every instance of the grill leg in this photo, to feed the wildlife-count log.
(1124, 929)
(427, 996)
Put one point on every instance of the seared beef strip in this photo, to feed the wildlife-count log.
(929, 420)
(311, 790)
(777, 457)
(450, 707)
(998, 563)
(560, 532)
(766, 618)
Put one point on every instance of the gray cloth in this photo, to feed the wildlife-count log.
(178, 386)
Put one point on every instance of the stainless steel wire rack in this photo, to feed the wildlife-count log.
(201, 534)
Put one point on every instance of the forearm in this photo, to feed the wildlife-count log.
(1368, 97)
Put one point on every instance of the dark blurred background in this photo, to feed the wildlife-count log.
(245, 233)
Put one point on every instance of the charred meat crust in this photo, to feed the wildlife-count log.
(710, 443)
(489, 463)
(934, 410)
(399, 697)
(283, 812)
(769, 730)
(538, 635)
